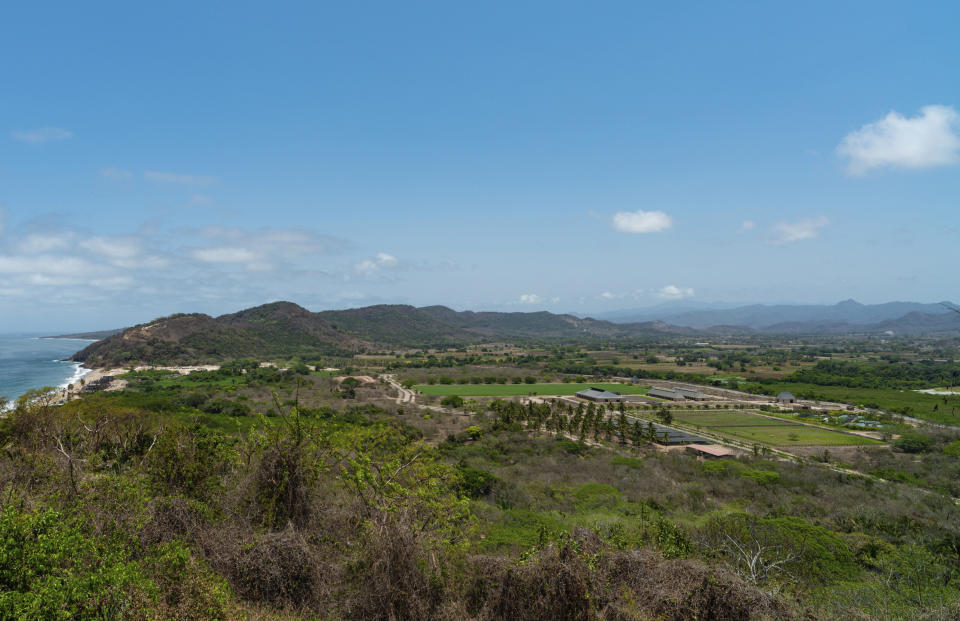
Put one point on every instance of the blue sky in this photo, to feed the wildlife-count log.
(502, 155)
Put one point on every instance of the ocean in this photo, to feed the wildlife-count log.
(27, 361)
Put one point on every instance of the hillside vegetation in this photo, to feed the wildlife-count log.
(280, 329)
(255, 492)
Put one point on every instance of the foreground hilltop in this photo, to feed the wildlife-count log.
(284, 329)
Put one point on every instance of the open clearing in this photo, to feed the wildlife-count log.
(522, 390)
(754, 428)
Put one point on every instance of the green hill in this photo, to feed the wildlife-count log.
(280, 329)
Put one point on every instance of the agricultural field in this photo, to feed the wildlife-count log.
(755, 428)
(522, 390)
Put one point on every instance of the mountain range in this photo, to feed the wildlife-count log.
(285, 330)
(769, 317)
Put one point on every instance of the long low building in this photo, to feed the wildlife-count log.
(664, 393)
(689, 393)
(669, 435)
(676, 394)
(600, 395)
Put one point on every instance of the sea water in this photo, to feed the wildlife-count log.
(29, 361)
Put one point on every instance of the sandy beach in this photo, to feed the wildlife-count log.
(96, 375)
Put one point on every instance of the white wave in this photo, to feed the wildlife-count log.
(79, 372)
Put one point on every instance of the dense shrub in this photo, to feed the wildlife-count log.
(913, 443)
(49, 568)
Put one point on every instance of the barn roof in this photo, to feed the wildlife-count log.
(597, 393)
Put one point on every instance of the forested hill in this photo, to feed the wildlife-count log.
(280, 329)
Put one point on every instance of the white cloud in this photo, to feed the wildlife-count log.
(641, 221)
(223, 254)
(789, 232)
(112, 247)
(930, 139)
(47, 264)
(386, 260)
(530, 298)
(747, 225)
(606, 295)
(177, 178)
(116, 173)
(36, 243)
(382, 261)
(673, 292)
(41, 135)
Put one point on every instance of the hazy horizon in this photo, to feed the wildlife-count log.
(189, 158)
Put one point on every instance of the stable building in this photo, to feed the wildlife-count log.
(689, 393)
(665, 393)
(599, 395)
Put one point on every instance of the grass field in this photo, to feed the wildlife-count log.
(937, 408)
(522, 390)
(755, 428)
(733, 418)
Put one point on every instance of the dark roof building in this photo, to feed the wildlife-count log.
(688, 393)
(665, 393)
(669, 435)
(599, 394)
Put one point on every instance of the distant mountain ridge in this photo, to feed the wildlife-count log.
(85, 336)
(764, 317)
(403, 324)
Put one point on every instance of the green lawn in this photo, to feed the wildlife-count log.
(793, 435)
(755, 428)
(522, 390)
(729, 418)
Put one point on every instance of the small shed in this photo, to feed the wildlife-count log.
(786, 397)
(599, 395)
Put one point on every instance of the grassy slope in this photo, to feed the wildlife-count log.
(513, 390)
